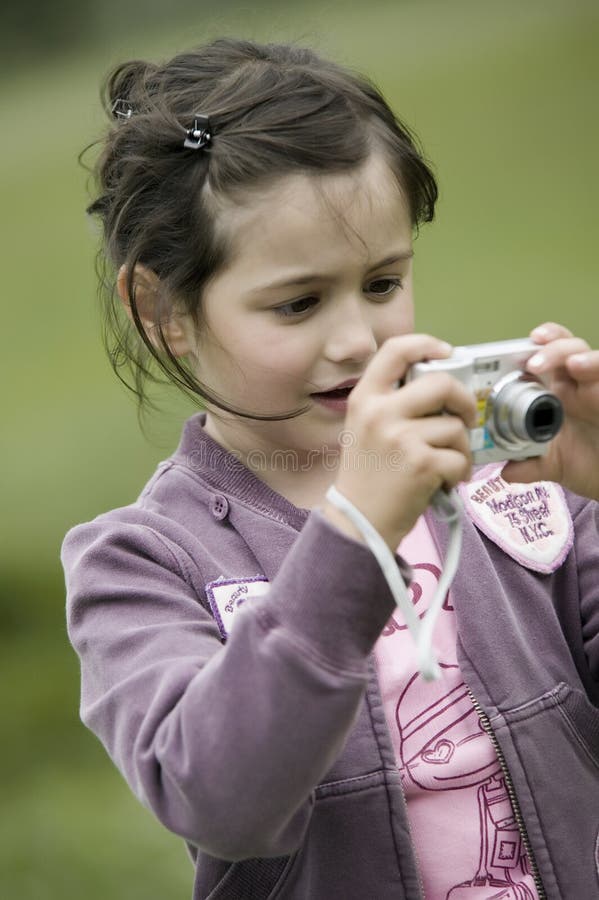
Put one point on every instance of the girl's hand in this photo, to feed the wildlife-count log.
(400, 445)
(571, 370)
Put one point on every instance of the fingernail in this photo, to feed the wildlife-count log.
(536, 361)
(541, 332)
(447, 348)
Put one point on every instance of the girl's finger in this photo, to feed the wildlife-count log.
(395, 356)
(444, 431)
(452, 467)
(437, 467)
(435, 393)
(584, 366)
(549, 331)
(555, 354)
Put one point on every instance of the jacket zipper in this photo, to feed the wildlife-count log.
(488, 728)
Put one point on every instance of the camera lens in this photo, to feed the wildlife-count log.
(544, 418)
(524, 410)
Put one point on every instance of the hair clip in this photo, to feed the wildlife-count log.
(122, 109)
(200, 135)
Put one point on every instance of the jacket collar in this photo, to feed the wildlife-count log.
(223, 471)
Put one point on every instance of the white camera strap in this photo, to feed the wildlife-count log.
(447, 507)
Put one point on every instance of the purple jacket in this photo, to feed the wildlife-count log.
(269, 753)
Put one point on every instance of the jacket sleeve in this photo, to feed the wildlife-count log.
(586, 524)
(225, 743)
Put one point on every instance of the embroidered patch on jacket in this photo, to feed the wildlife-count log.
(531, 522)
(226, 595)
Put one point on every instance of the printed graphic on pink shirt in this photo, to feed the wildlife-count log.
(444, 748)
(467, 840)
(442, 744)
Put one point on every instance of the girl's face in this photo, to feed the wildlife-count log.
(321, 275)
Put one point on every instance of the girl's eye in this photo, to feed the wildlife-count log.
(382, 287)
(296, 307)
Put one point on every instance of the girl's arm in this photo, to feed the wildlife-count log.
(586, 524)
(224, 743)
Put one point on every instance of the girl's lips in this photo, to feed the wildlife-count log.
(336, 398)
(337, 403)
(348, 383)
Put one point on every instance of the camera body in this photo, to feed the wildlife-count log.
(517, 414)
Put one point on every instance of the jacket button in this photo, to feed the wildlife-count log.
(219, 506)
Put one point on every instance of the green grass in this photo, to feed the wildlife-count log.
(503, 97)
(70, 827)
(75, 831)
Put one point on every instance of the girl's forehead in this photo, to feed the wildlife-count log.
(363, 207)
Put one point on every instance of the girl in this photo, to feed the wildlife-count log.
(241, 658)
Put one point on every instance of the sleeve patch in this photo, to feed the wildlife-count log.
(226, 595)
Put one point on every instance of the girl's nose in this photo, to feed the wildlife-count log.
(350, 334)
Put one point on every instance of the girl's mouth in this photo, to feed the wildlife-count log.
(335, 400)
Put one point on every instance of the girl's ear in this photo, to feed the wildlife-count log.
(176, 327)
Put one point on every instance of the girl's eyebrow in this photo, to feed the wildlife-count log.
(314, 276)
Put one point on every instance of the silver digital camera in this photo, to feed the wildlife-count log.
(517, 414)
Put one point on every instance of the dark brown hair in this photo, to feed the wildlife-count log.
(274, 110)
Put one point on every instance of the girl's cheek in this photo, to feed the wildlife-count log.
(399, 321)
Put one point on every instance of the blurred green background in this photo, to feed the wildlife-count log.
(504, 99)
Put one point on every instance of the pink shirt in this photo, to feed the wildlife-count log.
(466, 839)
